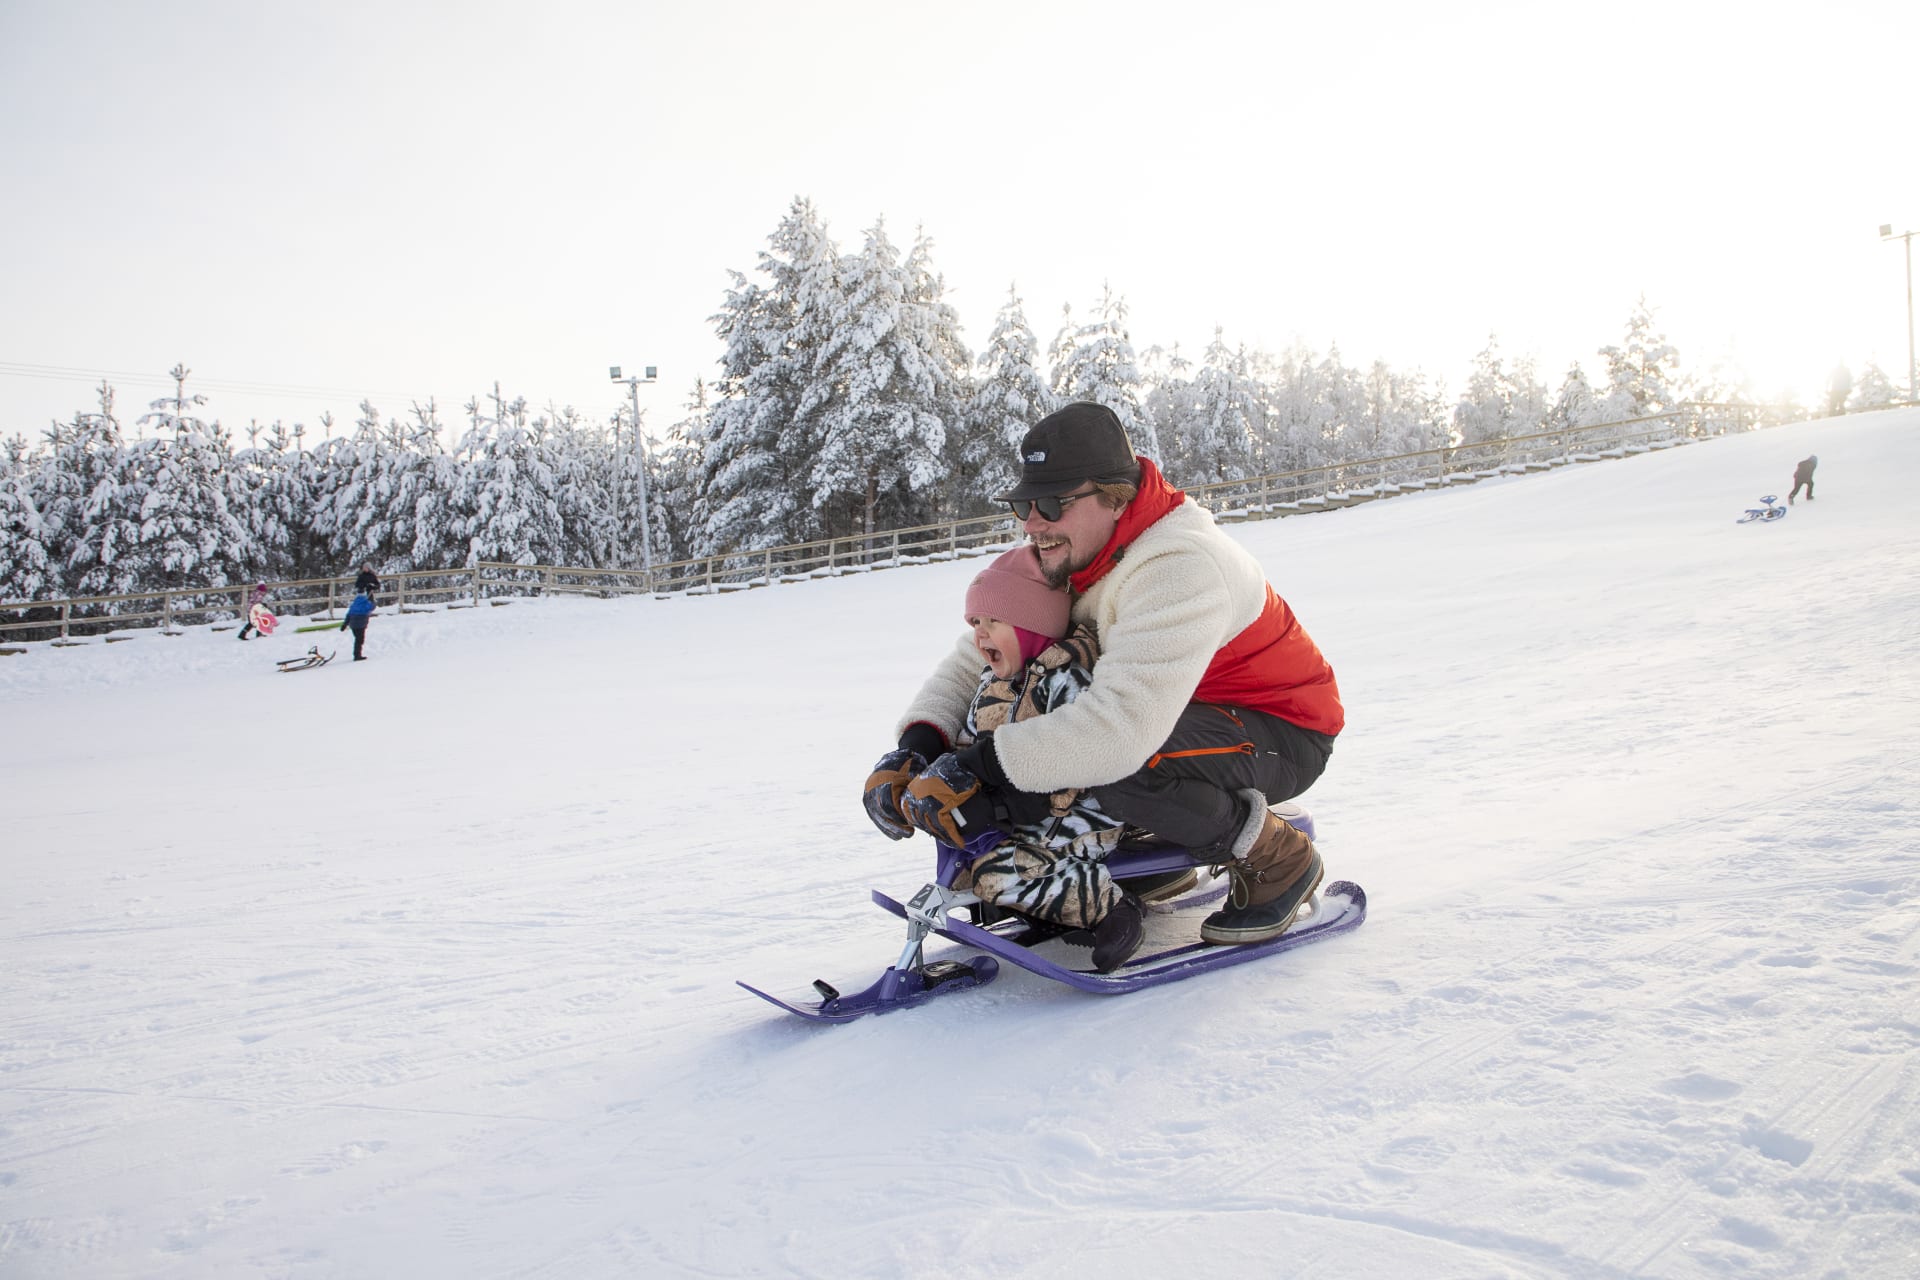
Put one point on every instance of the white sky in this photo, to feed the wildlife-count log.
(409, 200)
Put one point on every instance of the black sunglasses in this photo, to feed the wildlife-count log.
(1050, 507)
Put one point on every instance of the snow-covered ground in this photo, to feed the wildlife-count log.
(424, 966)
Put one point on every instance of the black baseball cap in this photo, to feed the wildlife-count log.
(1067, 448)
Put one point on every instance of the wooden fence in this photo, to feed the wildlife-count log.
(111, 617)
(1286, 493)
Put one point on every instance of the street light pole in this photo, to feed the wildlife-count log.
(1913, 370)
(646, 523)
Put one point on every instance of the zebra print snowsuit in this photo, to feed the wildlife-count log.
(1052, 868)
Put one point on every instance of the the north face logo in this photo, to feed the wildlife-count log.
(1038, 455)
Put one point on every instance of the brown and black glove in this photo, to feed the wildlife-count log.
(947, 802)
(887, 784)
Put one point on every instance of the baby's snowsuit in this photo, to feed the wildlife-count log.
(1052, 868)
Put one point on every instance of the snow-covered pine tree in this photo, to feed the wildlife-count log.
(1298, 411)
(1344, 390)
(24, 568)
(188, 535)
(1097, 362)
(1485, 406)
(1576, 403)
(1723, 382)
(1527, 409)
(331, 517)
(1219, 419)
(78, 456)
(1009, 396)
(105, 558)
(1167, 386)
(1874, 390)
(876, 393)
(1396, 415)
(677, 470)
(933, 326)
(1642, 372)
(759, 450)
(508, 495)
(425, 484)
(159, 518)
(363, 517)
(252, 484)
(574, 455)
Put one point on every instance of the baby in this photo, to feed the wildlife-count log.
(1051, 865)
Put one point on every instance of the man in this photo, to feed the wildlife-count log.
(1803, 475)
(1209, 702)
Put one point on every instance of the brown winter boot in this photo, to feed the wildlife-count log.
(1276, 873)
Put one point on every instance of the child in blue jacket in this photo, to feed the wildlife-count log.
(357, 614)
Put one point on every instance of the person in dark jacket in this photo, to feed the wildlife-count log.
(1803, 475)
(357, 614)
(367, 580)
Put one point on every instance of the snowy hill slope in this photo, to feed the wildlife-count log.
(422, 966)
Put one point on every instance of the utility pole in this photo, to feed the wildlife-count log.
(646, 523)
(1913, 370)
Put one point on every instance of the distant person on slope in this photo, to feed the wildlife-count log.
(1209, 702)
(1837, 388)
(357, 615)
(1049, 862)
(1803, 475)
(367, 580)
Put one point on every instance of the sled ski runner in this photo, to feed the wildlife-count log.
(311, 658)
(960, 917)
(1338, 907)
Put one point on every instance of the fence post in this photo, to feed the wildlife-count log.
(66, 616)
(166, 610)
(769, 566)
(476, 584)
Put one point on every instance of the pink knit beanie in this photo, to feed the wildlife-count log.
(1013, 589)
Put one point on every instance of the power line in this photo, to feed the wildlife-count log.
(235, 386)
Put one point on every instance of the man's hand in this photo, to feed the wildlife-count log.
(946, 802)
(887, 786)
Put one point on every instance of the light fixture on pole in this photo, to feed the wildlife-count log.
(1913, 370)
(646, 525)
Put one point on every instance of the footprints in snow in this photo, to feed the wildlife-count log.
(333, 1161)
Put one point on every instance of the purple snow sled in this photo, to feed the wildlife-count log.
(960, 917)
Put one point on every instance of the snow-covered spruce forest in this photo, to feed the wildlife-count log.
(846, 401)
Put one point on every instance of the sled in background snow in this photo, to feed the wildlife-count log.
(306, 661)
(1769, 510)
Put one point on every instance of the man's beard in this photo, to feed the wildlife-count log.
(1059, 576)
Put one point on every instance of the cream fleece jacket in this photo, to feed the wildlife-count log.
(1182, 591)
